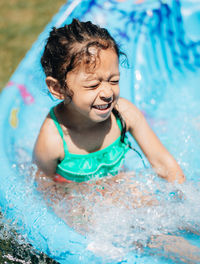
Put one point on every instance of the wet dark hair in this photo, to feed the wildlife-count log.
(71, 44)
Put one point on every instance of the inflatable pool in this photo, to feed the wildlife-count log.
(162, 43)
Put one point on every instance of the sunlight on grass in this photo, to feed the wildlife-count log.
(21, 22)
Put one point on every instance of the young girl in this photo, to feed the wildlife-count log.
(84, 136)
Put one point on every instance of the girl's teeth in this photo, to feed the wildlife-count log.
(101, 107)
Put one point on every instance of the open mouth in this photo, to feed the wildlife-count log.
(102, 107)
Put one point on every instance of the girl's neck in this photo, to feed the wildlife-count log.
(76, 122)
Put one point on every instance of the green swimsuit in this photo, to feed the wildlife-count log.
(98, 164)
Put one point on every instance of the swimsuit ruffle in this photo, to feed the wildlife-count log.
(102, 163)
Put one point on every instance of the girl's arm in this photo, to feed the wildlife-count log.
(160, 159)
(48, 148)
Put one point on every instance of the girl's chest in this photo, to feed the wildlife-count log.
(84, 142)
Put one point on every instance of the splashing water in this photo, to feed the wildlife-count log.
(122, 214)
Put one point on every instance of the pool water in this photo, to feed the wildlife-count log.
(164, 66)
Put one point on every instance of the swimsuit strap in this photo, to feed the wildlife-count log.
(53, 116)
(121, 123)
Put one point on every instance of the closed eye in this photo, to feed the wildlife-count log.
(114, 82)
(93, 86)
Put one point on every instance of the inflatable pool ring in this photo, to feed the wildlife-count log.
(142, 29)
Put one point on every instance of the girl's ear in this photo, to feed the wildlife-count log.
(55, 88)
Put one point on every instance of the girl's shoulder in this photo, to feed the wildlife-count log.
(129, 112)
(49, 143)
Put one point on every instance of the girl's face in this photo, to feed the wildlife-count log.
(95, 93)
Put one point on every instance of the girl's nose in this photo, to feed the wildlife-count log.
(106, 93)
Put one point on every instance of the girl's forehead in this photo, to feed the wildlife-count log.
(103, 65)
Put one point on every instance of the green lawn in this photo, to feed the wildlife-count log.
(21, 21)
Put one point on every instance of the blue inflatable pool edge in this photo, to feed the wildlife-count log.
(141, 28)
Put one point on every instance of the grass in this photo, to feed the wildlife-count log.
(21, 22)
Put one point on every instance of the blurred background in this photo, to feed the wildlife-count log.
(21, 22)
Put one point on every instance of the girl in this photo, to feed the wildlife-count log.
(84, 136)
